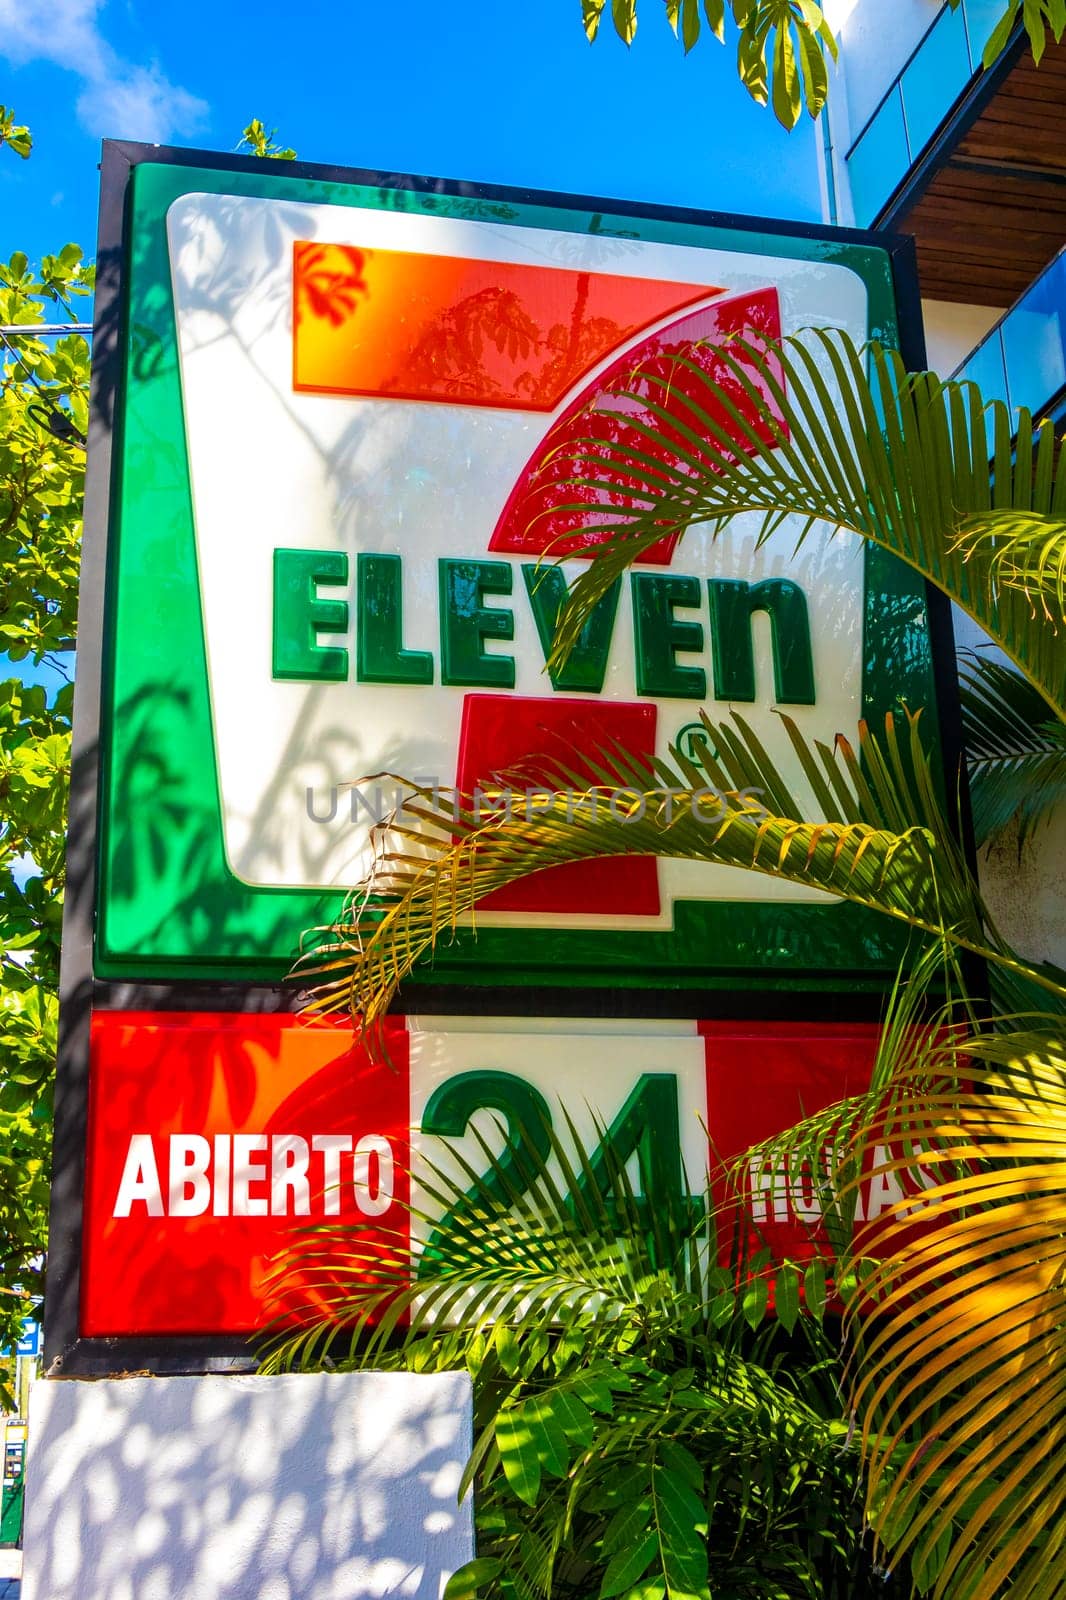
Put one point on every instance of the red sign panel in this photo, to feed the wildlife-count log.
(212, 1139)
(397, 324)
(217, 1141)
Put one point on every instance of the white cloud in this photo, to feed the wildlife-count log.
(119, 99)
(139, 103)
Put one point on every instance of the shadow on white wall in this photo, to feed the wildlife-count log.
(326, 1486)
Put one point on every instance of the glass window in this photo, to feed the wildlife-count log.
(935, 78)
(985, 368)
(1033, 341)
(982, 17)
(879, 160)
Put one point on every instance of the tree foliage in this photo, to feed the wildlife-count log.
(644, 1428)
(258, 140)
(44, 387)
(782, 45)
(44, 418)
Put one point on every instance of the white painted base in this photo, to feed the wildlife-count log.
(325, 1486)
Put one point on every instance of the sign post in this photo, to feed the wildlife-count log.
(320, 498)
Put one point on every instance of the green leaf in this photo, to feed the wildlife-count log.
(16, 136)
(262, 142)
(753, 1300)
(472, 1577)
(624, 16)
(507, 1348)
(714, 11)
(999, 36)
(814, 72)
(1033, 18)
(814, 1292)
(680, 1521)
(787, 99)
(1016, 755)
(625, 1569)
(786, 1296)
(591, 12)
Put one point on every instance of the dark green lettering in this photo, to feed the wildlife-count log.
(647, 1127)
(586, 666)
(300, 615)
(733, 603)
(465, 624)
(528, 1121)
(659, 636)
(379, 653)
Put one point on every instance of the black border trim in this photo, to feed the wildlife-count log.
(63, 1282)
(65, 1352)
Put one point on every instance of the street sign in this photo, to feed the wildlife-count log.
(339, 406)
(30, 1343)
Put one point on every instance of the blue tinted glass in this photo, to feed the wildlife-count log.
(981, 18)
(1033, 340)
(935, 77)
(878, 161)
(985, 368)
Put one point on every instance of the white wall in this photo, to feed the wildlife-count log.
(318, 1486)
(1023, 892)
(953, 331)
(876, 37)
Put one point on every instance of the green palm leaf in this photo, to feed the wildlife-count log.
(917, 1047)
(1015, 754)
(621, 1398)
(956, 1329)
(901, 460)
(884, 844)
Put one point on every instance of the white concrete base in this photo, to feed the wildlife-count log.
(324, 1486)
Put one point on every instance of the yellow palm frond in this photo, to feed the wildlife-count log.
(961, 1327)
(883, 843)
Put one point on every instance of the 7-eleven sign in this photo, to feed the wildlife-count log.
(378, 419)
(328, 485)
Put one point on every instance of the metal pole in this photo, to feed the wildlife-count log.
(40, 330)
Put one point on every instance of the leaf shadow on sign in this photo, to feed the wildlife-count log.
(314, 1486)
(169, 882)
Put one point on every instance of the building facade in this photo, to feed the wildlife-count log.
(920, 138)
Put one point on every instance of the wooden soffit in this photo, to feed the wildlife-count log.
(992, 213)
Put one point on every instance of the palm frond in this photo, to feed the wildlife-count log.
(1016, 754)
(960, 1327)
(928, 1003)
(955, 1291)
(624, 1392)
(884, 844)
(920, 467)
(513, 1240)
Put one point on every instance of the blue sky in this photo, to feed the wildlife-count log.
(468, 90)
